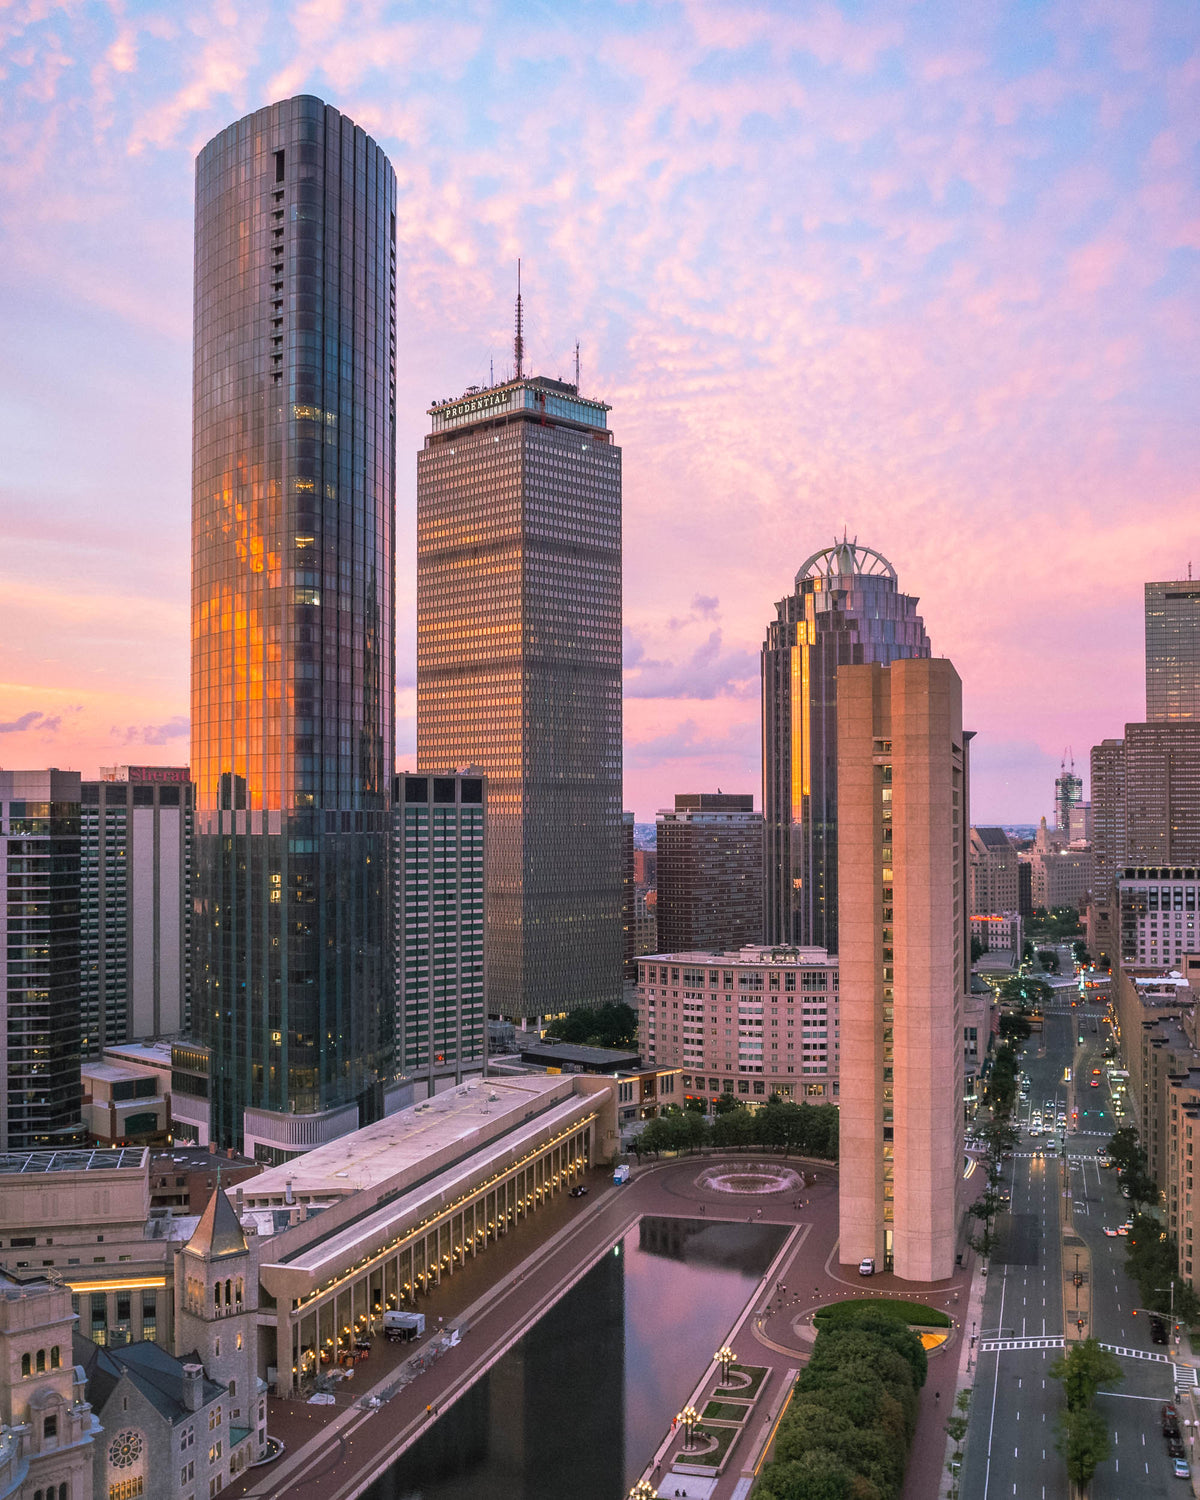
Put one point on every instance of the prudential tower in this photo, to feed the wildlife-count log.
(846, 608)
(293, 632)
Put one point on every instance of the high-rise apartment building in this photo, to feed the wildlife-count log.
(902, 828)
(709, 873)
(41, 1096)
(438, 859)
(519, 673)
(995, 884)
(1068, 795)
(1173, 650)
(846, 608)
(135, 867)
(293, 632)
(628, 904)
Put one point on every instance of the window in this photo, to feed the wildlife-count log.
(50, 1427)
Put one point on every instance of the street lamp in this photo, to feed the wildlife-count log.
(643, 1490)
(688, 1419)
(725, 1357)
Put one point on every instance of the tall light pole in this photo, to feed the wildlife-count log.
(688, 1418)
(725, 1357)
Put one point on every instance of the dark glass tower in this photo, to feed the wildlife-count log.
(1173, 650)
(519, 674)
(293, 632)
(846, 608)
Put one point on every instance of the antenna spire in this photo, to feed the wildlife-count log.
(577, 378)
(519, 341)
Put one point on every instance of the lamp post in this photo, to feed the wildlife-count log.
(643, 1490)
(688, 1418)
(725, 1357)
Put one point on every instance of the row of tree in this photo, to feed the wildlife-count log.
(1082, 1432)
(604, 1026)
(848, 1429)
(805, 1129)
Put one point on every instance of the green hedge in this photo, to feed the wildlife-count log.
(847, 1431)
(842, 1314)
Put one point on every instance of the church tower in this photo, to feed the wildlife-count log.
(216, 1301)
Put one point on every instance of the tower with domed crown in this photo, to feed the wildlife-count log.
(216, 1302)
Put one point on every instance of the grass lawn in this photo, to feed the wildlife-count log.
(725, 1411)
(724, 1436)
(839, 1313)
(743, 1392)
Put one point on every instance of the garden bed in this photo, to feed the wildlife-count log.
(916, 1314)
(715, 1457)
(726, 1411)
(742, 1392)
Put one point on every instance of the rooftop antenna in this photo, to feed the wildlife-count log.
(577, 392)
(491, 372)
(519, 341)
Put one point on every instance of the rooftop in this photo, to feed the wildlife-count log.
(442, 1128)
(105, 1160)
(549, 1050)
(532, 393)
(752, 953)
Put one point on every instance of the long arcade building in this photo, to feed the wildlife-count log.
(385, 1214)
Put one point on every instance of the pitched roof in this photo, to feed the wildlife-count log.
(157, 1374)
(218, 1232)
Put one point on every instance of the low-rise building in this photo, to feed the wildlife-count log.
(999, 933)
(753, 1023)
(123, 1104)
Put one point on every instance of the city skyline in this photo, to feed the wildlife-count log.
(830, 269)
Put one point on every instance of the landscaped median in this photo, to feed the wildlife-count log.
(847, 1430)
(722, 1419)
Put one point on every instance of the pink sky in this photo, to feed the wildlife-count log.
(924, 270)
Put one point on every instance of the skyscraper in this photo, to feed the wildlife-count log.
(846, 608)
(519, 673)
(136, 862)
(438, 870)
(1068, 795)
(41, 1096)
(709, 873)
(293, 633)
(902, 830)
(1173, 650)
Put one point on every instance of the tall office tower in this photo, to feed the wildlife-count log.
(519, 673)
(994, 882)
(438, 854)
(1068, 795)
(628, 888)
(1173, 650)
(135, 862)
(846, 608)
(293, 629)
(902, 829)
(41, 1096)
(709, 873)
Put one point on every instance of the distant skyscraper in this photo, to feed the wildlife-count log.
(519, 673)
(41, 1097)
(438, 873)
(846, 608)
(994, 882)
(902, 828)
(709, 873)
(628, 905)
(1173, 650)
(136, 855)
(1068, 795)
(293, 633)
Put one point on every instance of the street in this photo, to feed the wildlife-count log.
(1046, 1280)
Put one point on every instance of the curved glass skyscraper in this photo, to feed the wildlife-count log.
(293, 633)
(846, 608)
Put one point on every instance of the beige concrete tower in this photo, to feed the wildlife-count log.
(902, 832)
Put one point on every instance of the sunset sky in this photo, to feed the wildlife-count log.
(927, 271)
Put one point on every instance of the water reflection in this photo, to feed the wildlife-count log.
(579, 1405)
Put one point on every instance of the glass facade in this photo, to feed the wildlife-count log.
(519, 674)
(41, 1096)
(846, 608)
(709, 873)
(293, 594)
(1173, 650)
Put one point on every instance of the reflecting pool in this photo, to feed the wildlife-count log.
(578, 1406)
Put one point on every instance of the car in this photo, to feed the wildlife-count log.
(1111, 1233)
(1175, 1448)
(1158, 1331)
(579, 1191)
(1181, 1469)
(866, 1266)
(1095, 1072)
(1123, 1229)
(1106, 1163)
(1170, 1415)
(1095, 1083)
(1125, 1193)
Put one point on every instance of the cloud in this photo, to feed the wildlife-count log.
(705, 605)
(153, 734)
(32, 720)
(709, 672)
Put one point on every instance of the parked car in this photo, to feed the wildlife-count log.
(579, 1191)
(1175, 1448)
(866, 1266)
(1158, 1331)
(1181, 1469)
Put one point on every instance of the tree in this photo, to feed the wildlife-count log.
(1079, 948)
(1083, 1370)
(605, 1026)
(1083, 1442)
(1015, 1028)
(978, 949)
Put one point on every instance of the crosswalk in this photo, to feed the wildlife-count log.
(1151, 1354)
(1185, 1378)
(1000, 1346)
